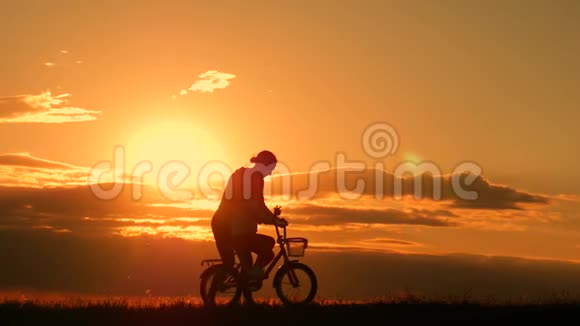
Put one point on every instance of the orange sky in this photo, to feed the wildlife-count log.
(492, 83)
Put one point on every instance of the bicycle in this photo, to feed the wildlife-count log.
(217, 281)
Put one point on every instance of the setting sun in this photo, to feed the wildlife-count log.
(164, 142)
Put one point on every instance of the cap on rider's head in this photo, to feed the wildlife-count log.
(265, 157)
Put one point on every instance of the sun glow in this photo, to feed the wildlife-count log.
(169, 142)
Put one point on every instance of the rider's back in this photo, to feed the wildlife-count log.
(242, 203)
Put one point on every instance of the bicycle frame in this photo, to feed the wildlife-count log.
(281, 240)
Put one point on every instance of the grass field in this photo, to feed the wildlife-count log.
(401, 309)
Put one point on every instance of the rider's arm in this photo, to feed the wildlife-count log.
(258, 205)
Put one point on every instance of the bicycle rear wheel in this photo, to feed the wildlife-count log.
(224, 287)
(205, 281)
(295, 284)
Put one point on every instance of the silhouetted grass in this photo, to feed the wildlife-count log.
(394, 309)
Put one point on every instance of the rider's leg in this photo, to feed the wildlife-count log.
(226, 251)
(245, 256)
(227, 254)
(224, 246)
(240, 243)
(245, 245)
(263, 246)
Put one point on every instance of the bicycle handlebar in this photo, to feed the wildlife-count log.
(278, 232)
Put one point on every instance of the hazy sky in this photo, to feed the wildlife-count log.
(494, 83)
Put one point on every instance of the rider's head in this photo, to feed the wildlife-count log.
(265, 162)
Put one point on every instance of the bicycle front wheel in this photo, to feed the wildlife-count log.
(295, 283)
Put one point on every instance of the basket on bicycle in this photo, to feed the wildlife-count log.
(296, 247)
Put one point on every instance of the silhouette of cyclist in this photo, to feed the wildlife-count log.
(242, 208)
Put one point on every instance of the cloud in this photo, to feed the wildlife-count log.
(44, 194)
(36, 192)
(390, 241)
(25, 159)
(53, 196)
(25, 170)
(331, 247)
(42, 108)
(129, 266)
(377, 245)
(321, 184)
(209, 81)
(40, 177)
(567, 197)
(77, 209)
(323, 215)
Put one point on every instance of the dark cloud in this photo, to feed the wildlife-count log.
(333, 248)
(46, 194)
(76, 208)
(318, 215)
(57, 197)
(39, 260)
(317, 185)
(389, 241)
(364, 274)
